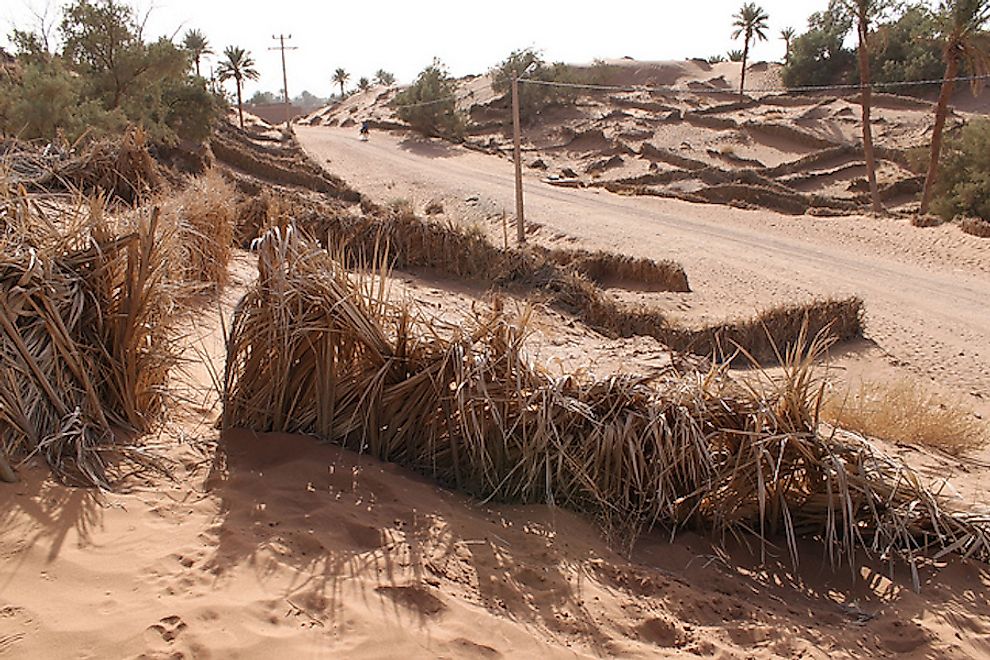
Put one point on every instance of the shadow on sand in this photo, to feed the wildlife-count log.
(333, 530)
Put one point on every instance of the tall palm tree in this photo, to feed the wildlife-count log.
(197, 45)
(384, 78)
(239, 66)
(864, 11)
(750, 23)
(962, 24)
(341, 77)
(787, 34)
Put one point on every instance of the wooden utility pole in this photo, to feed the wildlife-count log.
(517, 148)
(285, 77)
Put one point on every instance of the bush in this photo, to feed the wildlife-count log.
(104, 78)
(963, 187)
(429, 104)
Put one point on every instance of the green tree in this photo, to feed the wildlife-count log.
(819, 56)
(906, 47)
(364, 84)
(237, 65)
(429, 104)
(750, 24)
(962, 23)
(340, 77)
(262, 98)
(195, 42)
(103, 40)
(734, 55)
(384, 78)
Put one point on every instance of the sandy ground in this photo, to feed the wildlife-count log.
(925, 289)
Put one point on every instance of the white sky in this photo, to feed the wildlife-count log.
(403, 36)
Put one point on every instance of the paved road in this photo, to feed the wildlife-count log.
(927, 291)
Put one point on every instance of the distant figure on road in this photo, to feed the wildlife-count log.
(365, 130)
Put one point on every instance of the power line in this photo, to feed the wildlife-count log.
(806, 88)
(442, 99)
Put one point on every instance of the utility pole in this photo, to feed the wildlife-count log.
(520, 215)
(285, 77)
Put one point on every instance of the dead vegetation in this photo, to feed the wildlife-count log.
(974, 227)
(121, 169)
(314, 349)
(905, 412)
(86, 344)
(203, 214)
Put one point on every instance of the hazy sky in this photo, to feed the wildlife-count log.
(404, 36)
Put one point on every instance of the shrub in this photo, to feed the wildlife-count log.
(429, 104)
(533, 99)
(963, 187)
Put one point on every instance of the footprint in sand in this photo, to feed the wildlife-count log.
(168, 628)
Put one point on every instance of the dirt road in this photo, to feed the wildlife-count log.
(927, 291)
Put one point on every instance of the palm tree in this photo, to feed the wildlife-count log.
(864, 11)
(364, 84)
(197, 45)
(963, 22)
(787, 34)
(239, 66)
(341, 77)
(384, 78)
(750, 23)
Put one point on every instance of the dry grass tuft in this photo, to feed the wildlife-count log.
(316, 350)
(905, 412)
(975, 226)
(203, 215)
(85, 344)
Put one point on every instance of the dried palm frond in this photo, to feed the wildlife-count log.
(313, 350)
(85, 348)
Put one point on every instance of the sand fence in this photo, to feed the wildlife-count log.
(316, 349)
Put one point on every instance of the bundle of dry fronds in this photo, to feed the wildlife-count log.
(314, 349)
(202, 215)
(121, 169)
(610, 267)
(85, 348)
